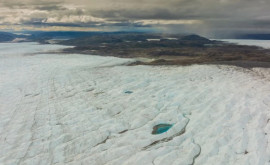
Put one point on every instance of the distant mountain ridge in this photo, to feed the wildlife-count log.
(7, 37)
(40, 36)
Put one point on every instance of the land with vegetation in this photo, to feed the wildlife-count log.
(160, 49)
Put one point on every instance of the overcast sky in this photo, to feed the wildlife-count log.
(205, 17)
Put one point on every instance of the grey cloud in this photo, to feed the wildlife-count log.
(216, 17)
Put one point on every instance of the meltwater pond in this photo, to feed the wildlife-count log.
(128, 92)
(161, 128)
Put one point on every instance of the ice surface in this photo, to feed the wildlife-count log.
(73, 109)
(26, 48)
(260, 43)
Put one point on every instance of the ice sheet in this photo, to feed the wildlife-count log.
(74, 109)
(260, 43)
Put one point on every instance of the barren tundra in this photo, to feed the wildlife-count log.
(79, 109)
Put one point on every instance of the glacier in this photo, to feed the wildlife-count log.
(81, 109)
(260, 43)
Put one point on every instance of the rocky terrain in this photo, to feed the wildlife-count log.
(169, 49)
(160, 49)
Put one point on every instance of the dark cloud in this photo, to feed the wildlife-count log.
(50, 8)
(207, 17)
